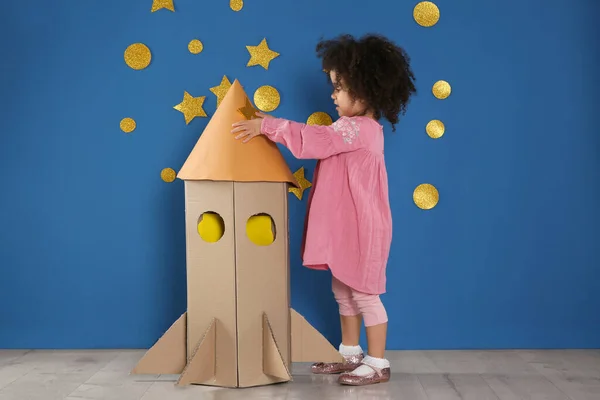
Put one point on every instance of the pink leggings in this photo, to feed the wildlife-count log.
(353, 303)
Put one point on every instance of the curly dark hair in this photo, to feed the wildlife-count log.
(374, 69)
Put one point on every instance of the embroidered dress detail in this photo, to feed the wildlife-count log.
(348, 128)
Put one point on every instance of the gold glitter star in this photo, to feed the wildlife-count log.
(248, 111)
(302, 181)
(191, 107)
(221, 90)
(261, 55)
(159, 4)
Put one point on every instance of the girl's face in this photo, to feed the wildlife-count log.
(346, 106)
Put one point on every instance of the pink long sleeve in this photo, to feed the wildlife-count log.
(314, 141)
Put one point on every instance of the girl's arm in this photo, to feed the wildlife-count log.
(314, 141)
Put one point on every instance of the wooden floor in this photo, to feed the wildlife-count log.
(416, 375)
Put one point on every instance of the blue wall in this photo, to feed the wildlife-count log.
(92, 240)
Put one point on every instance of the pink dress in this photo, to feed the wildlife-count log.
(348, 227)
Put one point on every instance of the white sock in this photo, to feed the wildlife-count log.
(365, 370)
(348, 351)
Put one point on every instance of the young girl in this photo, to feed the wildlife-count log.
(349, 224)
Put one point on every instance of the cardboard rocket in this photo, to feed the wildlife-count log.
(239, 329)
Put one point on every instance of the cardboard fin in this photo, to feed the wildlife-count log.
(168, 355)
(273, 364)
(308, 345)
(201, 366)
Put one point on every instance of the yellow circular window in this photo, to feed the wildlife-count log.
(211, 227)
(260, 229)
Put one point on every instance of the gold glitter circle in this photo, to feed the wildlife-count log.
(426, 196)
(137, 56)
(195, 46)
(441, 90)
(128, 125)
(435, 129)
(236, 5)
(266, 98)
(426, 14)
(319, 118)
(168, 175)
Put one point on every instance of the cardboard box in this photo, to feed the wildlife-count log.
(239, 329)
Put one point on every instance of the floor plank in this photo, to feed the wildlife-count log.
(416, 375)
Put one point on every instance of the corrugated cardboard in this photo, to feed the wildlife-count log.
(239, 330)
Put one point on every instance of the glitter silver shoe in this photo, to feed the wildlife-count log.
(349, 364)
(379, 375)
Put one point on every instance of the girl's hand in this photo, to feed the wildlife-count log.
(249, 129)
